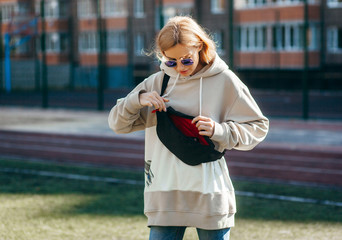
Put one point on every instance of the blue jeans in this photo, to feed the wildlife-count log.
(177, 233)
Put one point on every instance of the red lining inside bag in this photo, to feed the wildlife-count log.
(187, 128)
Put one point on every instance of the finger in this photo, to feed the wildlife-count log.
(155, 104)
(205, 133)
(199, 123)
(202, 118)
(162, 103)
(196, 119)
(203, 123)
(204, 128)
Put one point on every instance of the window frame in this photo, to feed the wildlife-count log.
(219, 37)
(139, 8)
(334, 37)
(139, 44)
(91, 40)
(117, 41)
(114, 8)
(334, 3)
(84, 9)
(217, 6)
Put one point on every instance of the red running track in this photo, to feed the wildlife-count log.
(273, 162)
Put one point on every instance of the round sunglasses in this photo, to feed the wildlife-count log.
(185, 62)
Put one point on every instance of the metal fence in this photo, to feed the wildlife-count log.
(88, 53)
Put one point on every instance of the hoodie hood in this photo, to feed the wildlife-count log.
(215, 68)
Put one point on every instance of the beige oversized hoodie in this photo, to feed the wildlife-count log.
(177, 194)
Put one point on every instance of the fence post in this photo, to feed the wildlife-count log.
(161, 14)
(130, 41)
(101, 58)
(45, 103)
(198, 9)
(8, 83)
(231, 33)
(36, 57)
(73, 34)
(1, 54)
(305, 90)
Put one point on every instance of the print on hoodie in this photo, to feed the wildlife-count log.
(148, 172)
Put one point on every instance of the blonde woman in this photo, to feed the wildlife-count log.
(182, 187)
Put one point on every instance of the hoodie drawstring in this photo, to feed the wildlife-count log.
(200, 98)
(200, 92)
(173, 86)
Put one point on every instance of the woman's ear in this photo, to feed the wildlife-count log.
(200, 46)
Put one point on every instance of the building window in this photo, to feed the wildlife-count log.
(114, 8)
(7, 11)
(86, 8)
(51, 9)
(334, 3)
(313, 37)
(219, 40)
(217, 6)
(139, 10)
(116, 41)
(243, 38)
(252, 38)
(52, 42)
(261, 42)
(237, 38)
(255, 3)
(288, 37)
(64, 8)
(288, 2)
(22, 9)
(171, 11)
(57, 42)
(240, 4)
(88, 42)
(282, 37)
(139, 44)
(334, 39)
(54, 8)
(293, 37)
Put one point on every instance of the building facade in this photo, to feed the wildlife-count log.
(265, 43)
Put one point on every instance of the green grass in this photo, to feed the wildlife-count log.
(35, 207)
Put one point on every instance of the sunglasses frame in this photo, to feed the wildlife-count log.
(185, 62)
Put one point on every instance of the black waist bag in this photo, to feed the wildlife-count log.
(181, 139)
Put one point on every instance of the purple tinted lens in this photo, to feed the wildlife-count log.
(187, 62)
(171, 63)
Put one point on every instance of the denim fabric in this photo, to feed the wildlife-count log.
(177, 233)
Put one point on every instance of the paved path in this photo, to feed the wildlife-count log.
(292, 133)
(294, 150)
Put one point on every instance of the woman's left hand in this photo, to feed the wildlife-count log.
(205, 125)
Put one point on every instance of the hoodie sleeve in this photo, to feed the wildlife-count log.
(244, 126)
(128, 115)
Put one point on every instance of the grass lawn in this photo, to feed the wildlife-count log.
(39, 207)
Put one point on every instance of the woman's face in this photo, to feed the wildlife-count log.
(182, 52)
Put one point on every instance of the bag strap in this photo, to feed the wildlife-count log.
(166, 79)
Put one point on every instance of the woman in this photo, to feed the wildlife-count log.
(178, 195)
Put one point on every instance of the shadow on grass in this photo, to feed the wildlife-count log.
(117, 200)
(107, 199)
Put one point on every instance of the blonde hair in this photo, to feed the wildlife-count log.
(184, 30)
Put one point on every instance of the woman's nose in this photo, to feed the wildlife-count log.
(180, 67)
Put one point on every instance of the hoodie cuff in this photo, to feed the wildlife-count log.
(133, 103)
(219, 133)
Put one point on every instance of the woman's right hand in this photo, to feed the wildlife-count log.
(149, 99)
